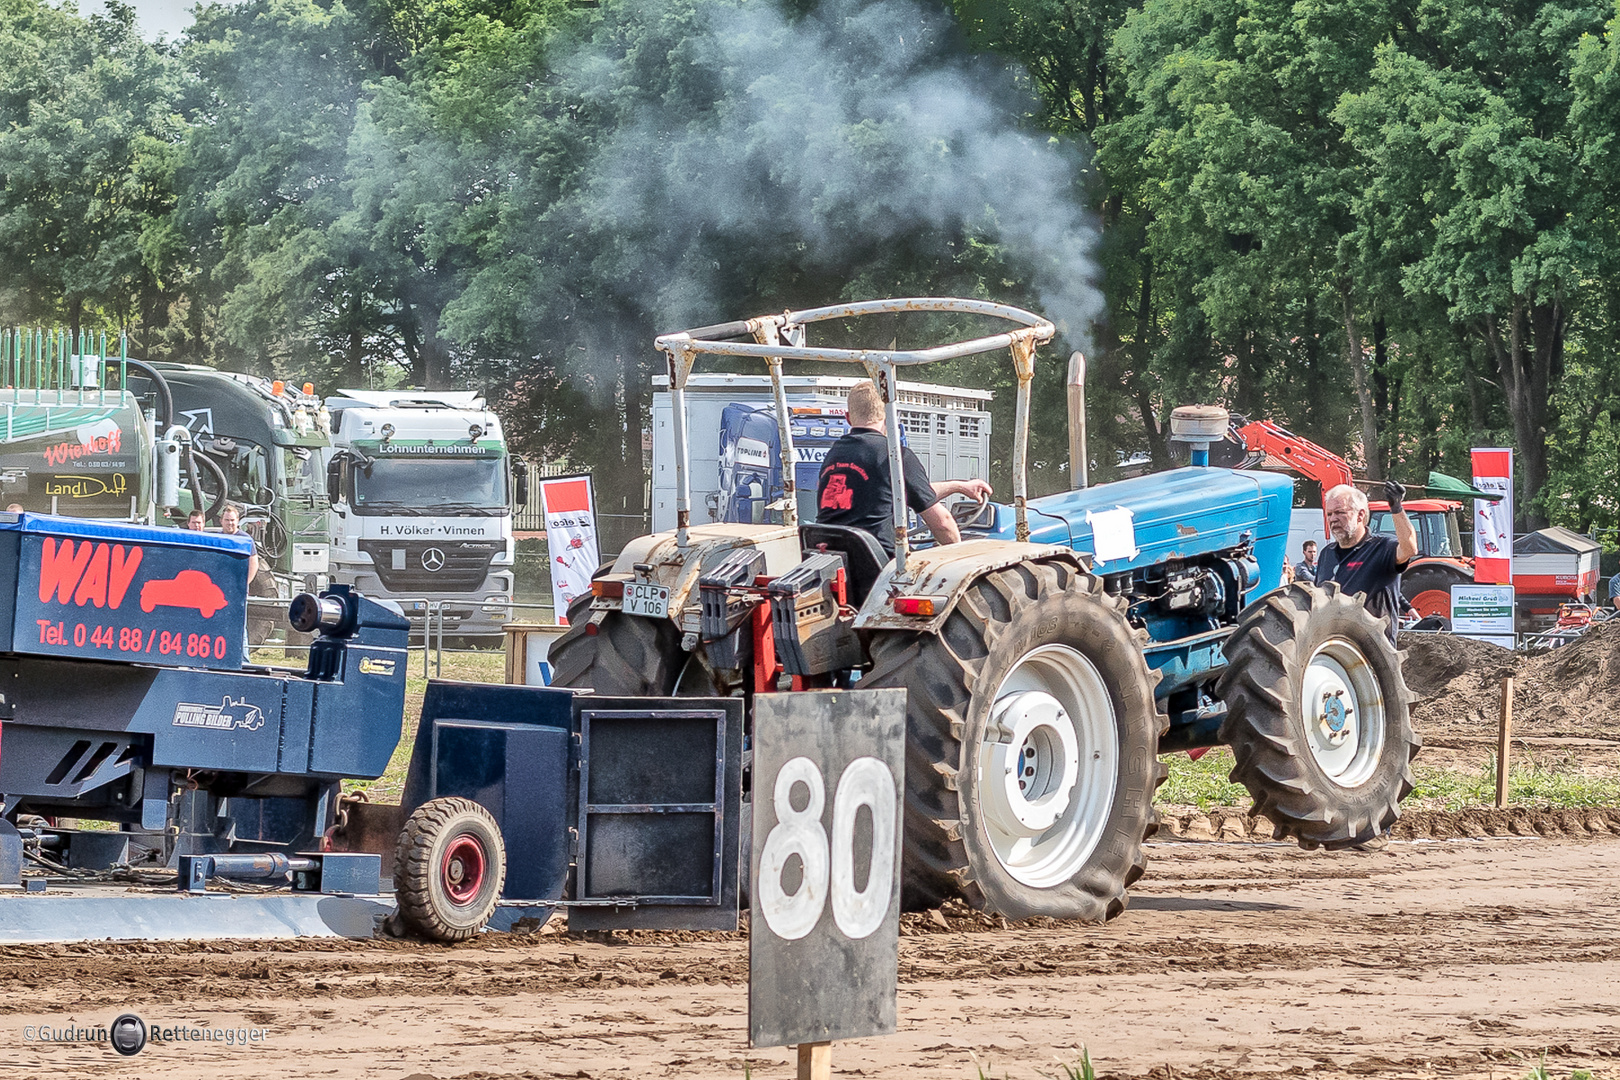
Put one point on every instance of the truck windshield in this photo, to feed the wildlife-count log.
(303, 471)
(432, 486)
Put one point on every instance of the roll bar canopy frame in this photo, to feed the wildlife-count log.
(777, 338)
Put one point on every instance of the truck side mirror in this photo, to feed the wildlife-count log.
(334, 481)
(520, 480)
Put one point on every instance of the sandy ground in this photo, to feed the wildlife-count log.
(1467, 958)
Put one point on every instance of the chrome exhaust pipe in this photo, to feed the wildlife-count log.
(1078, 477)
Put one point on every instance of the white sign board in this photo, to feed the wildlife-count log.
(536, 645)
(1484, 613)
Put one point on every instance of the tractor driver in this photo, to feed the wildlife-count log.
(854, 486)
(1364, 562)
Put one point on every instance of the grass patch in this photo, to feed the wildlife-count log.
(1202, 783)
(1531, 785)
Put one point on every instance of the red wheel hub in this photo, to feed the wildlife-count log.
(462, 868)
(1433, 602)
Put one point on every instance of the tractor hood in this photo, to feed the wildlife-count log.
(1163, 516)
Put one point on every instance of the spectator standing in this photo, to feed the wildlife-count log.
(1305, 569)
(1363, 562)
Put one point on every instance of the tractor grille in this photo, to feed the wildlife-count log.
(407, 566)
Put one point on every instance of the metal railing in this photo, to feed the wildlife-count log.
(58, 365)
(1524, 641)
(431, 634)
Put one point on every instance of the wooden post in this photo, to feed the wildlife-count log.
(815, 1061)
(1503, 738)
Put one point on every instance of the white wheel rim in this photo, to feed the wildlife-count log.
(1343, 710)
(1048, 766)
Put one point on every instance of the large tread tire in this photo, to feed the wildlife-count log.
(449, 869)
(952, 679)
(1268, 657)
(1428, 587)
(628, 656)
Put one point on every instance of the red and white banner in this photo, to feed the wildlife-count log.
(1493, 521)
(569, 505)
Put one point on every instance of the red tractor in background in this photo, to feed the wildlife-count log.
(1440, 563)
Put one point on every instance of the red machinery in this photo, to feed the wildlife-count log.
(1428, 580)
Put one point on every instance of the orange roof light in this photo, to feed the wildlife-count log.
(278, 388)
(309, 389)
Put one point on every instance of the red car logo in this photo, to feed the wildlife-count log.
(837, 495)
(187, 589)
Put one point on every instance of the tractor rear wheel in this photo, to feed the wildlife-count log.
(449, 869)
(1032, 740)
(627, 655)
(1317, 716)
(1428, 586)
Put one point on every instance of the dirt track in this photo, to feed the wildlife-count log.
(1465, 958)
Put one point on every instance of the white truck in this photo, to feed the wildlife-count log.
(422, 492)
(736, 472)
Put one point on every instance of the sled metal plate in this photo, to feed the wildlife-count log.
(507, 749)
(118, 915)
(824, 925)
(660, 788)
(519, 773)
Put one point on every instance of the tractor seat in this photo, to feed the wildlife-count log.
(863, 556)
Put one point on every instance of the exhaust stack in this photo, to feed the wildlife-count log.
(1078, 477)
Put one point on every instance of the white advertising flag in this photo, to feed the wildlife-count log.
(570, 509)
(1493, 521)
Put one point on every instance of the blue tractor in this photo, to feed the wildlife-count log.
(1049, 658)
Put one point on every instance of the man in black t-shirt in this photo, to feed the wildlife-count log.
(1364, 562)
(854, 487)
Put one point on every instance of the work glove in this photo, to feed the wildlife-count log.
(1394, 493)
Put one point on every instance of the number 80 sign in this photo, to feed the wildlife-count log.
(825, 918)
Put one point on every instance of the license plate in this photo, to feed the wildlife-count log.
(645, 599)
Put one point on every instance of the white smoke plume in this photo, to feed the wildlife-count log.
(858, 124)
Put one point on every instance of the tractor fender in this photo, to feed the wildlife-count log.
(679, 568)
(943, 575)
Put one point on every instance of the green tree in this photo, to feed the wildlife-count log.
(680, 163)
(87, 146)
(265, 179)
(1481, 189)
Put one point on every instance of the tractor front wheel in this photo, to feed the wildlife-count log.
(1032, 740)
(1317, 716)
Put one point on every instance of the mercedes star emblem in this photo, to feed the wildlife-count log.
(433, 560)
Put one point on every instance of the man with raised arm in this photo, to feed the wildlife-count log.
(1364, 562)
